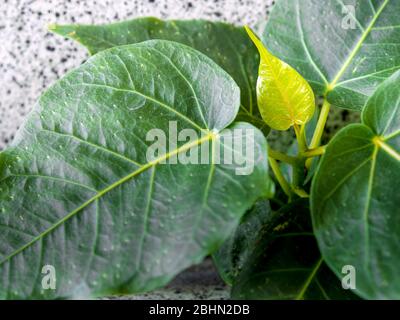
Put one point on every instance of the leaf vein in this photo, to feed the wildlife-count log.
(92, 145)
(111, 187)
(161, 104)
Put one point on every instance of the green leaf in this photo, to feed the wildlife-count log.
(226, 44)
(344, 63)
(233, 254)
(284, 98)
(282, 260)
(355, 201)
(78, 192)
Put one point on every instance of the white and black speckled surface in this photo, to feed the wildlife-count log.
(31, 58)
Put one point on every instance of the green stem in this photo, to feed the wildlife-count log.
(301, 138)
(313, 152)
(319, 129)
(279, 176)
(282, 157)
(301, 192)
(298, 173)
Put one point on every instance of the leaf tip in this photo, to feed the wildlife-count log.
(262, 50)
(252, 36)
(51, 27)
(63, 30)
(248, 30)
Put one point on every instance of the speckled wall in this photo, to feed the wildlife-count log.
(31, 58)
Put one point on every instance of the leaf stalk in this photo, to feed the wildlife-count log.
(280, 178)
(319, 129)
(282, 157)
(301, 137)
(310, 153)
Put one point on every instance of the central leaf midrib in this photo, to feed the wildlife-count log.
(367, 207)
(391, 152)
(183, 148)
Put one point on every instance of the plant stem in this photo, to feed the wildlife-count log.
(298, 173)
(281, 179)
(319, 129)
(313, 152)
(301, 192)
(282, 157)
(301, 138)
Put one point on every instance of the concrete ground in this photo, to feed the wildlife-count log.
(199, 282)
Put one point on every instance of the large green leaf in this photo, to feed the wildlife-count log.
(227, 45)
(281, 261)
(78, 192)
(345, 63)
(355, 200)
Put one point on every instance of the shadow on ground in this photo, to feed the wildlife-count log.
(199, 282)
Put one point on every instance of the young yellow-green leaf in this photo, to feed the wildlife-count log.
(284, 97)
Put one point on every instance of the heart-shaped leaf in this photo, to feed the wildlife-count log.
(345, 49)
(274, 255)
(224, 43)
(355, 202)
(79, 194)
(284, 98)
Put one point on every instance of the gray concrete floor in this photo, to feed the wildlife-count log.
(198, 282)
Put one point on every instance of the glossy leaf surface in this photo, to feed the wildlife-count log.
(355, 201)
(345, 49)
(227, 45)
(79, 193)
(274, 255)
